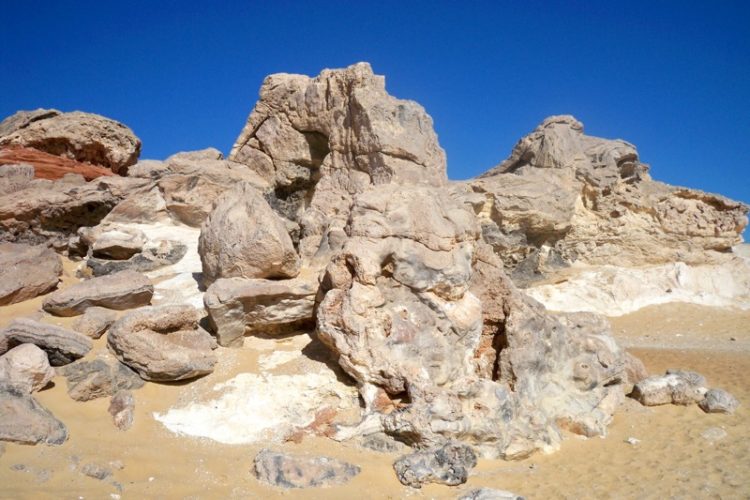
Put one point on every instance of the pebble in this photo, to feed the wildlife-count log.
(714, 434)
(632, 441)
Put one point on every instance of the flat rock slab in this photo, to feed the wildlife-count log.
(23, 420)
(239, 305)
(98, 378)
(27, 271)
(294, 471)
(449, 464)
(62, 346)
(163, 343)
(123, 290)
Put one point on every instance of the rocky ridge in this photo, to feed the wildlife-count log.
(333, 214)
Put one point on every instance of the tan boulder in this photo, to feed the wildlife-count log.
(119, 291)
(244, 238)
(27, 271)
(26, 368)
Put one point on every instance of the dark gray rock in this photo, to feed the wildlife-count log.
(96, 471)
(290, 471)
(98, 378)
(719, 401)
(61, 345)
(121, 407)
(165, 254)
(448, 464)
(382, 443)
(124, 290)
(23, 420)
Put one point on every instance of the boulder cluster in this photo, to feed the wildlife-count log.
(333, 214)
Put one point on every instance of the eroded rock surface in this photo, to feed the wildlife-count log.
(449, 464)
(27, 271)
(62, 346)
(84, 137)
(23, 420)
(719, 401)
(97, 378)
(163, 343)
(563, 197)
(119, 291)
(675, 387)
(26, 368)
(95, 321)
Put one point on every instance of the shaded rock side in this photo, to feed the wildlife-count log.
(295, 471)
(51, 212)
(319, 141)
(163, 343)
(563, 196)
(244, 238)
(237, 306)
(119, 291)
(84, 137)
(61, 345)
(101, 377)
(27, 271)
(23, 420)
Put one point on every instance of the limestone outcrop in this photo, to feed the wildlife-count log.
(84, 137)
(564, 197)
(27, 271)
(320, 141)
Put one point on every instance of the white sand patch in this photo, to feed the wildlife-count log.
(253, 407)
(277, 358)
(614, 291)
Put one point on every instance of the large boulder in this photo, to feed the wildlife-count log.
(27, 271)
(244, 238)
(23, 420)
(563, 197)
(84, 137)
(237, 306)
(417, 308)
(62, 346)
(26, 368)
(320, 141)
(119, 291)
(163, 343)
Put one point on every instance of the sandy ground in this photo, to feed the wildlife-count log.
(678, 454)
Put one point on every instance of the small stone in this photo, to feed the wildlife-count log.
(719, 401)
(490, 494)
(633, 441)
(290, 471)
(96, 471)
(121, 407)
(448, 464)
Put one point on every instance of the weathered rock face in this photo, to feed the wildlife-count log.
(244, 238)
(237, 306)
(23, 420)
(84, 137)
(449, 464)
(564, 197)
(50, 212)
(27, 271)
(97, 378)
(163, 343)
(95, 321)
(319, 141)
(290, 471)
(675, 387)
(47, 166)
(25, 368)
(123, 290)
(61, 345)
(416, 305)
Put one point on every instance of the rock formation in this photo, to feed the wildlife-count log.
(48, 166)
(123, 290)
(62, 346)
(564, 197)
(27, 271)
(84, 137)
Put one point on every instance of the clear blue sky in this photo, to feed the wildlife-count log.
(671, 77)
